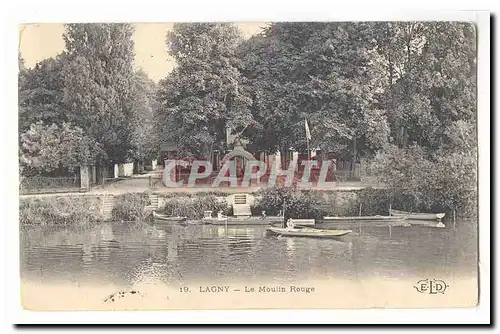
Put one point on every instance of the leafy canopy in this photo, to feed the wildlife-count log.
(203, 95)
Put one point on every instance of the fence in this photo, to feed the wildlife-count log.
(339, 176)
(43, 184)
(347, 171)
(346, 175)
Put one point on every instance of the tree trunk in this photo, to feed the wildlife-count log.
(391, 71)
(355, 150)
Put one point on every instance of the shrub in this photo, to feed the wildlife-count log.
(131, 207)
(372, 202)
(193, 207)
(59, 211)
(421, 181)
(296, 203)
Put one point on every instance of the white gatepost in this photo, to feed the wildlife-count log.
(84, 178)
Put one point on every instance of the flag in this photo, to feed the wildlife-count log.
(308, 133)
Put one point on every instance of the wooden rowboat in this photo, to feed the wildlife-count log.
(215, 221)
(304, 222)
(362, 221)
(253, 220)
(418, 215)
(275, 219)
(241, 220)
(171, 219)
(219, 220)
(307, 232)
(363, 218)
(427, 223)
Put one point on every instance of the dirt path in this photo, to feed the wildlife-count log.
(141, 183)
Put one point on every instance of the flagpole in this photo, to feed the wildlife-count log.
(308, 150)
(308, 135)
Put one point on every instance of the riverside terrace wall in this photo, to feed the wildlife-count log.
(338, 198)
(68, 209)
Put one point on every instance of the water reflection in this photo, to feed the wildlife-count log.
(172, 245)
(132, 254)
(290, 247)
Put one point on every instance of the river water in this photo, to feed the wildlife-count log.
(121, 254)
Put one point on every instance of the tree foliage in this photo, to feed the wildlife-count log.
(41, 93)
(203, 94)
(421, 182)
(430, 95)
(91, 87)
(45, 148)
(431, 79)
(291, 202)
(318, 71)
(97, 84)
(144, 143)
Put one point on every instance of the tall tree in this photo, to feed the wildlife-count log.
(432, 103)
(318, 71)
(202, 96)
(144, 137)
(41, 93)
(431, 71)
(97, 84)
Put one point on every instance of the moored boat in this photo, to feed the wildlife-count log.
(331, 222)
(304, 222)
(248, 220)
(363, 218)
(427, 223)
(166, 218)
(307, 232)
(219, 220)
(215, 220)
(418, 215)
(252, 220)
(275, 219)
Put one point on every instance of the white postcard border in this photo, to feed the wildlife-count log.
(87, 11)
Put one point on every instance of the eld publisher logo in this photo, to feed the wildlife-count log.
(431, 287)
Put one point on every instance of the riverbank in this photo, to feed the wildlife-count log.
(61, 210)
(87, 209)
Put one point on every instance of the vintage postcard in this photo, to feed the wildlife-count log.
(266, 165)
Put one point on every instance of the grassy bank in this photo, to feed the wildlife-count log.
(317, 204)
(60, 211)
(87, 210)
(193, 207)
(377, 201)
(131, 207)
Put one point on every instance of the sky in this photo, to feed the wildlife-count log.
(41, 41)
